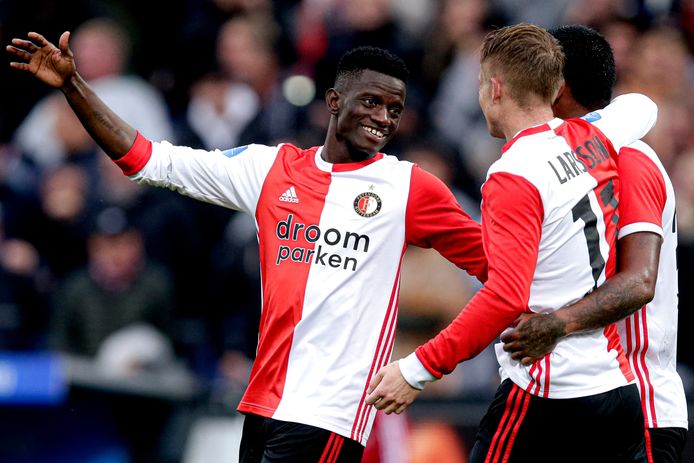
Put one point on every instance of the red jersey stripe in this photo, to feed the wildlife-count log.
(504, 424)
(647, 390)
(383, 358)
(547, 382)
(516, 426)
(636, 361)
(328, 447)
(386, 328)
(524, 133)
(349, 166)
(336, 449)
(649, 446)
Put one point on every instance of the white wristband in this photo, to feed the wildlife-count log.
(414, 372)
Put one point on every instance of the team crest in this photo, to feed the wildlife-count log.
(367, 204)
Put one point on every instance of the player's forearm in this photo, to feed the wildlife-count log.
(622, 294)
(111, 133)
(616, 299)
(485, 316)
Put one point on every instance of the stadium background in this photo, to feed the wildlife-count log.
(222, 73)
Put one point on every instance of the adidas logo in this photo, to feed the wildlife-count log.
(289, 196)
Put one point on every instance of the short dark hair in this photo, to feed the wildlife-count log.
(589, 70)
(359, 59)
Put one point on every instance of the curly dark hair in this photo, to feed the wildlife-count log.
(589, 68)
(359, 59)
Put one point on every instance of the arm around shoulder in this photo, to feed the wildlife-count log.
(626, 119)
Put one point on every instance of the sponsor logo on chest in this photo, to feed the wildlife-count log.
(301, 244)
(312, 244)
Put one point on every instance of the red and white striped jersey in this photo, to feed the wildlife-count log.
(649, 336)
(331, 238)
(549, 231)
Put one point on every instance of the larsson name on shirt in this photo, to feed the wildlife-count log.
(571, 164)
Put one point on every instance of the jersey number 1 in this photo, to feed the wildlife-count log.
(582, 210)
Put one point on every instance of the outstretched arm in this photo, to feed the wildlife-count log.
(55, 66)
(620, 296)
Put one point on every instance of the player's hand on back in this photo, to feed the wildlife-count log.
(533, 336)
(50, 64)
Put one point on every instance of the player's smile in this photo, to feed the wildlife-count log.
(377, 134)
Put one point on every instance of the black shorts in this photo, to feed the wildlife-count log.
(265, 440)
(520, 427)
(665, 445)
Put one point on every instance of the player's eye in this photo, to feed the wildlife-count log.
(395, 111)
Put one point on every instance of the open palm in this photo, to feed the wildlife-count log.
(50, 64)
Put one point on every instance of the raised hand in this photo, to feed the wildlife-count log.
(51, 65)
(56, 67)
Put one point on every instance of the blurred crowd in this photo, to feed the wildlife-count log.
(91, 263)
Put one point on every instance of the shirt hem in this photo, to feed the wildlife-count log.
(317, 422)
(267, 412)
(564, 393)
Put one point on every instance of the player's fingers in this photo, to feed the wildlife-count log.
(39, 39)
(510, 346)
(394, 406)
(400, 409)
(63, 42)
(24, 45)
(379, 403)
(375, 382)
(373, 396)
(18, 52)
(518, 355)
(527, 361)
(508, 336)
(20, 66)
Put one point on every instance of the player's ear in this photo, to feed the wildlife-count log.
(564, 103)
(332, 100)
(496, 88)
(560, 92)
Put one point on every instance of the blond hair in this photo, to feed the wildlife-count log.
(529, 59)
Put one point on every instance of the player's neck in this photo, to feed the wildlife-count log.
(518, 119)
(341, 154)
(339, 151)
(570, 109)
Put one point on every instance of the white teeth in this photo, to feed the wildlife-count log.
(373, 131)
